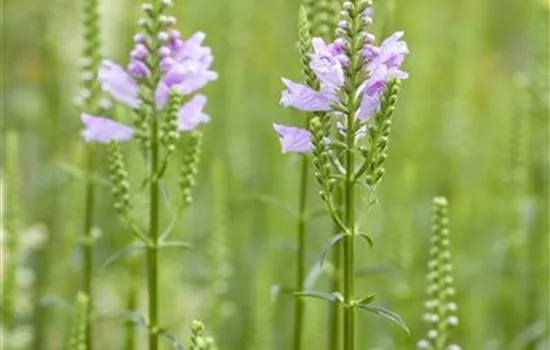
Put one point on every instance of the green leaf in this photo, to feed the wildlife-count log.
(392, 316)
(314, 274)
(367, 237)
(367, 299)
(121, 254)
(317, 295)
(177, 244)
(332, 241)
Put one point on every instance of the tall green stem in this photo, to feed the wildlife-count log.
(349, 212)
(152, 249)
(88, 242)
(154, 167)
(334, 314)
(301, 257)
(355, 78)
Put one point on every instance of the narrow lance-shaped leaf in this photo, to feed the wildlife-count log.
(390, 315)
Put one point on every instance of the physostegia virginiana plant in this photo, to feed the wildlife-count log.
(163, 73)
(352, 105)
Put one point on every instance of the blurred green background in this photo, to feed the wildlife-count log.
(471, 124)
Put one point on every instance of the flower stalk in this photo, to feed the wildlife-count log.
(355, 26)
(92, 93)
(153, 27)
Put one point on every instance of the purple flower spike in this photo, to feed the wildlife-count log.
(304, 98)
(119, 84)
(191, 115)
(103, 130)
(293, 139)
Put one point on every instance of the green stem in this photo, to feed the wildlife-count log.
(301, 257)
(87, 244)
(349, 212)
(152, 249)
(154, 166)
(334, 315)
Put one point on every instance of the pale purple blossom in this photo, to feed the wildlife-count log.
(104, 130)
(293, 139)
(119, 84)
(391, 53)
(372, 91)
(325, 64)
(191, 115)
(305, 98)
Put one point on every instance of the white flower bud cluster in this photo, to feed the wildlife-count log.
(440, 310)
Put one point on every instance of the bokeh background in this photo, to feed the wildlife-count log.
(471, 124)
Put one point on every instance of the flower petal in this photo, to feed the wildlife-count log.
(189, 76)
(391, 53)
(304, 98)
(369, 106)
(119, 84)
(190, 114)
(293, 139)
(104, 130)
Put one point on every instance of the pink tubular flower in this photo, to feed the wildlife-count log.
(119, 84)
(191, 115)
(304, 98)
(104, 130)
(293, 139)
